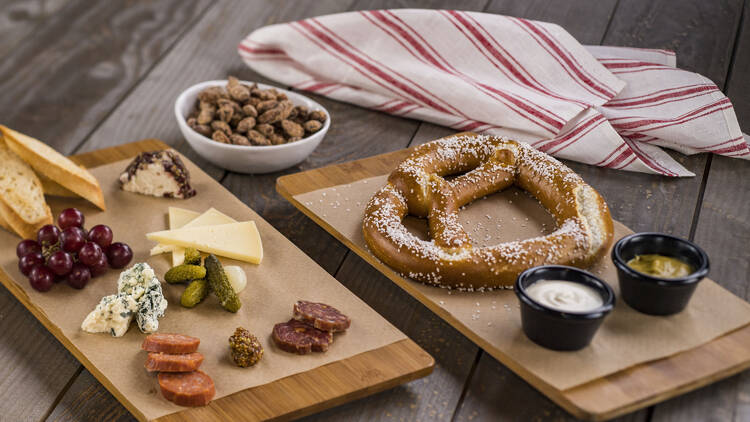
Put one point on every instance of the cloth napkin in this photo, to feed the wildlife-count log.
(531, 81)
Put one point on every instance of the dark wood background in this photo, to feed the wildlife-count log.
(83, 75)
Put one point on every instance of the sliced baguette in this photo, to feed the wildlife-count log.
(4, 224)
(45, 160)
(53, 188)
(22, 204)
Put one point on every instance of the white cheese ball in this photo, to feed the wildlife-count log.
(237, 277)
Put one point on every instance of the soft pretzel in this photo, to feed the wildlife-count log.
(489, 164)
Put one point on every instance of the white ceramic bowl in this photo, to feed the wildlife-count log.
(248, 159)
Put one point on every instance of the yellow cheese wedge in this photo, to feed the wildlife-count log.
(211, 217)
(178, 217)
(239, 241)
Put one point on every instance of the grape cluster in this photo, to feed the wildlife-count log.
(67, 252)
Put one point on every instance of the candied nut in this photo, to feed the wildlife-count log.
(254, 101)
(281, 96)
(266, 105)
(202, 105)
(250, 110)
(222, 126)
(206, 116)
(265, 129)
(239, 93)
(203, 130)
(245, 124)
(293, 114)
(191, 121)
(232, 81)
(266, 95)
(317, 115)
(294, 139)
(223, 102)
(277, 114)
(292, 129)
(220, 136)
(255, 91)
(277, 139)
(193, 114)
(226, 112)
(256, 138)
(302, 112)
(212, 94)
(313, 126)
(239, 140)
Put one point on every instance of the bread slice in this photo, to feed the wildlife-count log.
(53, 188)
(22, 204)
(4, 224)
(45, 160)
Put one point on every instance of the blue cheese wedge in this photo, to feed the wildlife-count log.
(139, 295)
(112, 315)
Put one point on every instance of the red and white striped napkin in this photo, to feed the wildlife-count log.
(532, 81)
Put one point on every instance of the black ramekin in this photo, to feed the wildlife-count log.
(556, 329)
(655, 295)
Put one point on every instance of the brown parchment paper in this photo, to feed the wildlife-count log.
(285, 275)
(626, 337)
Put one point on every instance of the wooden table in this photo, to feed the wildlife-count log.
(84, 75)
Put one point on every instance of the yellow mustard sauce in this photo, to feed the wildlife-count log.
(660, 266)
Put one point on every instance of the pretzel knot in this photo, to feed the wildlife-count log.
(486, 165)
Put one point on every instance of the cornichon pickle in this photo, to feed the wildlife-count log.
(192, 256)
(195, 292)
(219, 284)
(184, 272)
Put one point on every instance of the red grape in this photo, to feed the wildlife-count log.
(48, 235)
(42, 278)
(119, 255)
(26, 247)
(79, 276)
(101, 235)
(72, 239)
(29, 261)
(100, 267)
(90, 254)
(70, 217)
(60, 263)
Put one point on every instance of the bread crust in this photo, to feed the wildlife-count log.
(417, 187)
(54, 166)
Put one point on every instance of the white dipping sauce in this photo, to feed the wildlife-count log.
(566, 296)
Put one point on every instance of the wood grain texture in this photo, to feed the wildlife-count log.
(604, 398)
(293, 396)
(723, 230)
(20, 18)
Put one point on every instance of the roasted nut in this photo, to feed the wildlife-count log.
(239, 140)
(191, 121)
(202, 105)
(302, 112)
(203, 130)
(220, 136)
(281, 96)
(294, 139)
(313, 126)
(266, 105)
(222, 126)
(277, 139)
(317, 115)
(292, 129)
(266, 95)
(277, 114)
(237, 91)
(256, 138)
(250, 110)
(245, 124)
(223, 102)
(212, 94)
(205, 116)
(254, 101)
(226, 112)
(265, 129)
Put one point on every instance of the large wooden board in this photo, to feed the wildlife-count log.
(287, 398)
(600, 399)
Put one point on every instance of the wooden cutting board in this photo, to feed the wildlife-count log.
(601, 399)
(287, 398)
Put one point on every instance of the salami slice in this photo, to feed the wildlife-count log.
(300, 338)
(166, 362)
(321, 316)
(170, 343)
(187, 388)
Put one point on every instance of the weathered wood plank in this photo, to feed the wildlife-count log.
(83, 61)
(55, 84)
(19, 19)
(723, 230)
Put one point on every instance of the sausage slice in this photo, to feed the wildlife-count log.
(170, 343)
(297, 337)
(321, 316)
(187, 388)
(166, 362)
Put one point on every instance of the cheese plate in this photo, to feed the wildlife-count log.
(371, 356)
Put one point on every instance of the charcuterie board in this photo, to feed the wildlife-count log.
(335, 381)
(620, 388)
